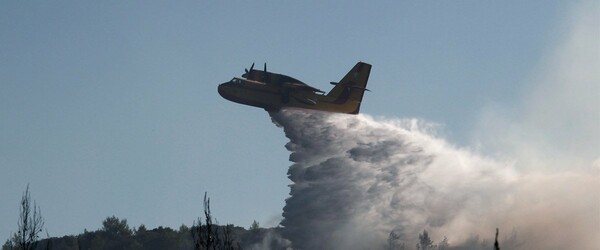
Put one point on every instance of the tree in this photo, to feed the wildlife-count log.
(255, 226)
(141, 229)
(8, 245)
(394, 242)
(207, 236)
(30, 224)
(496, 244)
(204, 236)
(425, 243)
(114, 226)
(444, 245)
(228, 237)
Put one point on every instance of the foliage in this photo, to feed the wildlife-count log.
(425, 243)
(115, 233)
(394, 242)
(254, 226)
(208, 236)
(114, 226)
(238, 238)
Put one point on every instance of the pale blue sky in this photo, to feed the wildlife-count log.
(110, 107)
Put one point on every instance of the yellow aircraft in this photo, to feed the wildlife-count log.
(273, 91)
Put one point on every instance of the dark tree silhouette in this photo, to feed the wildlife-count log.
(207, 236)
(203, 234)
(496, 244)
(30, 224)
(114, 226)
(425, 243)
(394, 242)
(255, 226)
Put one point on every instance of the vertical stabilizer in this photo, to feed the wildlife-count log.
(350, 90)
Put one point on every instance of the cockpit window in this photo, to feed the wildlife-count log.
(236, 81)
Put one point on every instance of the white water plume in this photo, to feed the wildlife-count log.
(355, 179)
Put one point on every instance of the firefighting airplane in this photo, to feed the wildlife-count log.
(273, 91)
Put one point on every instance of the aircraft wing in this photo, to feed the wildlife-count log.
(305, 100)
(301, 87)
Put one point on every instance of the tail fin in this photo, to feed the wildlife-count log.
(350, 90)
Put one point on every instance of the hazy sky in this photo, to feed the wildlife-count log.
(110, 107)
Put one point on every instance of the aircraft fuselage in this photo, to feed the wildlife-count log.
(282, 92)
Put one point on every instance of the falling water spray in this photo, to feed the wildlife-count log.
(356, 179)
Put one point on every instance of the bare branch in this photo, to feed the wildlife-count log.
(31, 223)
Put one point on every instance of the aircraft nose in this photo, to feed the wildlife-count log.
(223, 90)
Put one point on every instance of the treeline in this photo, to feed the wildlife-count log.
(117, 234)
(204, 233)
(473, 243)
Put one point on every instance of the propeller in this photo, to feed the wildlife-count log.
(265, 73)
(251, 67)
